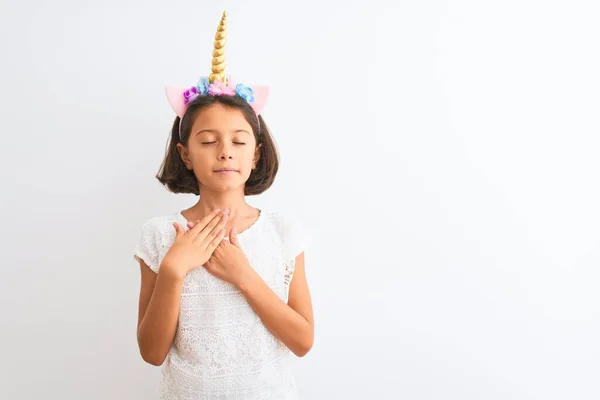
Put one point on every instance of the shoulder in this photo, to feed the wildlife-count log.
(161, 223)
(156, 236)
(279, 219)
(159, 230)
(283, 223)
(291, 230)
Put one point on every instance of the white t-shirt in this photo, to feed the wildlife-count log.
(222, 350)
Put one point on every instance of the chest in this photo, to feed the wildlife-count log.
(203, 291)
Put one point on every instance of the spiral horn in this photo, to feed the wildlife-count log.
(218, 55)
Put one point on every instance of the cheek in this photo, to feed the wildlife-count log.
(200, 158)
(248, 159)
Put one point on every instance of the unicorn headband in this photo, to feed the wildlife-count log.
(216, 84)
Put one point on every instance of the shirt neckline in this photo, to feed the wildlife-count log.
(239, 234)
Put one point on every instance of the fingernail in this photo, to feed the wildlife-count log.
(234, 229)
(225, 211)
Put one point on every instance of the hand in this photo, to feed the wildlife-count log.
(193, 248)
(228, 262)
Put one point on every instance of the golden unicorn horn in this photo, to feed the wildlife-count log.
(218, 55)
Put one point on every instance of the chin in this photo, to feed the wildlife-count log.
(225, 186)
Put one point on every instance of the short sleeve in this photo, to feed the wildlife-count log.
(147, 246)
(296, 238)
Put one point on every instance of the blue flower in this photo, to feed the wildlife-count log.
(202, 86)
(244, 92)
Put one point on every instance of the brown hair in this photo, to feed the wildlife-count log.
(178, 179)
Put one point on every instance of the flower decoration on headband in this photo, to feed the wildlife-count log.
(190, 94)
(217, 84)
(245, 92)
(202, 86)
(220, 89)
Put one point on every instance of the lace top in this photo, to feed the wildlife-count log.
(222, 350)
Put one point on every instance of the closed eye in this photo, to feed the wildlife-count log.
(240, 143)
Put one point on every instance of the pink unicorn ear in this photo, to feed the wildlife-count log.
(261, 95)
(175, 97)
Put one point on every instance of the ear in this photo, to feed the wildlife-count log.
(261, 95)
(185, 155)
(256, 156)
(175, 98)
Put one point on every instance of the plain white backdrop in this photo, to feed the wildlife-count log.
(443, 154)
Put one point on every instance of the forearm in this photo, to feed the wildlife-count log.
(285, 323)
(157, 329)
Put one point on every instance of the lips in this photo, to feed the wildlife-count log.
(223, 170)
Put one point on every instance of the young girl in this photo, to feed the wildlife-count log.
(224, 297)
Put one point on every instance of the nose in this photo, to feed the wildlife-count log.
(225, 152)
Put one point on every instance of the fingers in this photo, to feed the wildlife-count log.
(212, 229)
(214, 243)
(178, 229)
(233, 239)
(209, 235)
(214, 215)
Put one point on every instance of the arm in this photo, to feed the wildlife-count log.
(160, 297)
(291, 323)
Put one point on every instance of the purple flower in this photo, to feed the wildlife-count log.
(190, 95)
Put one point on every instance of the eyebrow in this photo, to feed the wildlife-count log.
(216, 131)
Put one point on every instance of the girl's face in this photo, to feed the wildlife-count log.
(221, 149)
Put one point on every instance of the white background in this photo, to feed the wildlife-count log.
(444, 155)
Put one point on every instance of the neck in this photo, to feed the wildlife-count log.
(235, 202)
